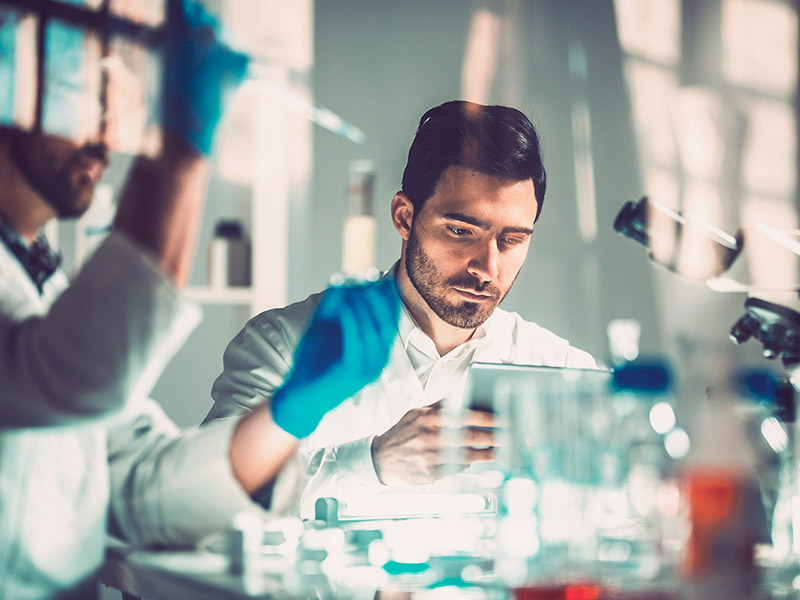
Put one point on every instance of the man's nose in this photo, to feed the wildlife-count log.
(96, 150)
(484, 264)
(93, 138)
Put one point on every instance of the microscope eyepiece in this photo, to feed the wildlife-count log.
(745, 328)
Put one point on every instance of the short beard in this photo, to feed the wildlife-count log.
(57, 188)
(430, 284)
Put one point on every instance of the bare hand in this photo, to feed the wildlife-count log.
(410, 451)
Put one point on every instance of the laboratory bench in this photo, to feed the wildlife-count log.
(355, 563)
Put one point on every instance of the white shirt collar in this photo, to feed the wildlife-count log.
(411, 333)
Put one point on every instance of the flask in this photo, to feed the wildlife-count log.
(636, 503)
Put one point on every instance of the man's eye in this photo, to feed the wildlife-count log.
(457, 231)
(511, 241)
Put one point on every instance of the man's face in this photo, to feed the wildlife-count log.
(61, 172)
(468, 243)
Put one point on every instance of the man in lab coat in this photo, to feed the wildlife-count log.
(82, 450)
(472, 190)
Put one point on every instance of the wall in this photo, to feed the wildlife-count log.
(380, 65)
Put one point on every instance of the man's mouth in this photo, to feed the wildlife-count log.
(473, 295)
(92, 167)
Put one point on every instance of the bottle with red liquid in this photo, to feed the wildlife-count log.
(722, 503)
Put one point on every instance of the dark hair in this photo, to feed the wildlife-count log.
(493, 140)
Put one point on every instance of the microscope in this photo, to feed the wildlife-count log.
(771, 313)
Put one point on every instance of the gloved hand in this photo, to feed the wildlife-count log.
(346, 347)
(200, 69)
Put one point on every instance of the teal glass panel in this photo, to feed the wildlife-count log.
(90, 4)
(8, 27)
(133, 97)
(71, 106)
(17, 67)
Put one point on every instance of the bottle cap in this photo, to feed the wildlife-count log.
(229, 229)
(644, 375)
(768, 388)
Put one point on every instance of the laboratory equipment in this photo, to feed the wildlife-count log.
(228, 255)
(772, 315)
(770, 405)
(358, 236)
(776, 326)
(553, 432)
(259, 78)
(722, 500)
(727, 493)
(664, 231)
(637, 503)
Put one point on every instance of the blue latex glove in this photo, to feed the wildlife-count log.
(200, 69)
(346, 347)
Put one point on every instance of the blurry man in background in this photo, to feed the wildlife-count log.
(473, 187)
(81, 447)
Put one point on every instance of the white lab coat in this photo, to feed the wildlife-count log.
(81, 447)
(339, 451)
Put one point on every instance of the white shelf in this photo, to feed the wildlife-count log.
(224, 295)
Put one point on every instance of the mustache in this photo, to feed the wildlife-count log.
(98, 152)
(467, 282)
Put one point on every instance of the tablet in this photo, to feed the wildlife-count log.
(484, 380)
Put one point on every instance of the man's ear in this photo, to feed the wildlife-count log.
(402, 214)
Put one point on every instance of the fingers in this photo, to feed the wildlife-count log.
(469, 418)
(331, 302)
(377, 313)
(382, 306)
(365, 350)
(370, 328)
(479, 454)
(353, 329)
(236, 65)
(479, 418)
(480, 424)
(354, 337)
(479, 438)
(470, 455)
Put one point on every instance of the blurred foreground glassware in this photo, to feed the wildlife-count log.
(637, 504)
(771, 401)
(720, 493)
(591, 496)
(549, 446)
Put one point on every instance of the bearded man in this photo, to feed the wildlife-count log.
(473, 187)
